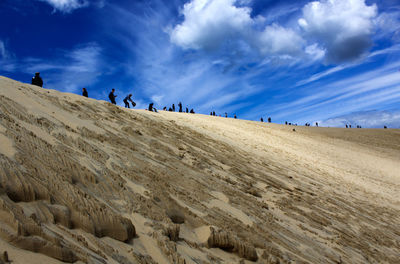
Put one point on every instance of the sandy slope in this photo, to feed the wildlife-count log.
(88, 182)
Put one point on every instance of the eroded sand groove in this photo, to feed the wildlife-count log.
(85, 181)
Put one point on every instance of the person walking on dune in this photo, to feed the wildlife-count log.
(128, 98)
(37, 80)
(84, 92)
(112, 96)
(180, 107)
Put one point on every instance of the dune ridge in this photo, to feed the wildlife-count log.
(84, 181)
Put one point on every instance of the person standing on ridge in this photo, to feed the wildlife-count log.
(112, 96)
(128, 98)
(262, 119)
(269, 119)
(180, 107)
(173, 107)
(37, 80)
(84, 92)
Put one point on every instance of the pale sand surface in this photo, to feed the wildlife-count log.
(77, 174)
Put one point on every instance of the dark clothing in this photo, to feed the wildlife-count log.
(151, 107)
(191, 111)
(126, 103)
(85, 93)
(111, 96)
(187, 110)
(128, 98)
(269, 119)
(180, 107)
(173, 107)
(37, 80)
(262, 119)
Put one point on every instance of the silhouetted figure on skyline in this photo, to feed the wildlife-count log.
(187, 110)
(151, 108)
(347, 126)
(213, 113)
(262, 120)
(269, 119)
(192, 111)
(128, 98)
(180, 107)
(173, 107)
(226, 114)
(316, 123)
(235, 116)
(170, 109)
(165, 108)
(285, 122)
(84, 92)
(37, 80)
(112, 96)
(384, 127)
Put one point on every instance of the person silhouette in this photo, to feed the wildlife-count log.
(84, 92)
(37, 80)
(180, 107)
(112, 96)
(128, 98)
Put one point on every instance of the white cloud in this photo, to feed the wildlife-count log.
(280, 41)
(337, 30)
(66, 6)
(341, 67)
(342, 27)
(209, 23)
(366, 119)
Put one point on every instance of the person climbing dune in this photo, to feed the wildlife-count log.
(128, 98)
(112, 96)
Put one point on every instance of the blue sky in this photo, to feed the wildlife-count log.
(335, 61)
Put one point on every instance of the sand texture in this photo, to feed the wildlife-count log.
(84, 181)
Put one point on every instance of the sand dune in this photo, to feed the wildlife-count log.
(85, 181)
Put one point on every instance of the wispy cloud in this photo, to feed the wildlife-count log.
(66, 6)
(3, 51)
(71, 71)
(371, 89)
(366, 119)
(341, 67)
